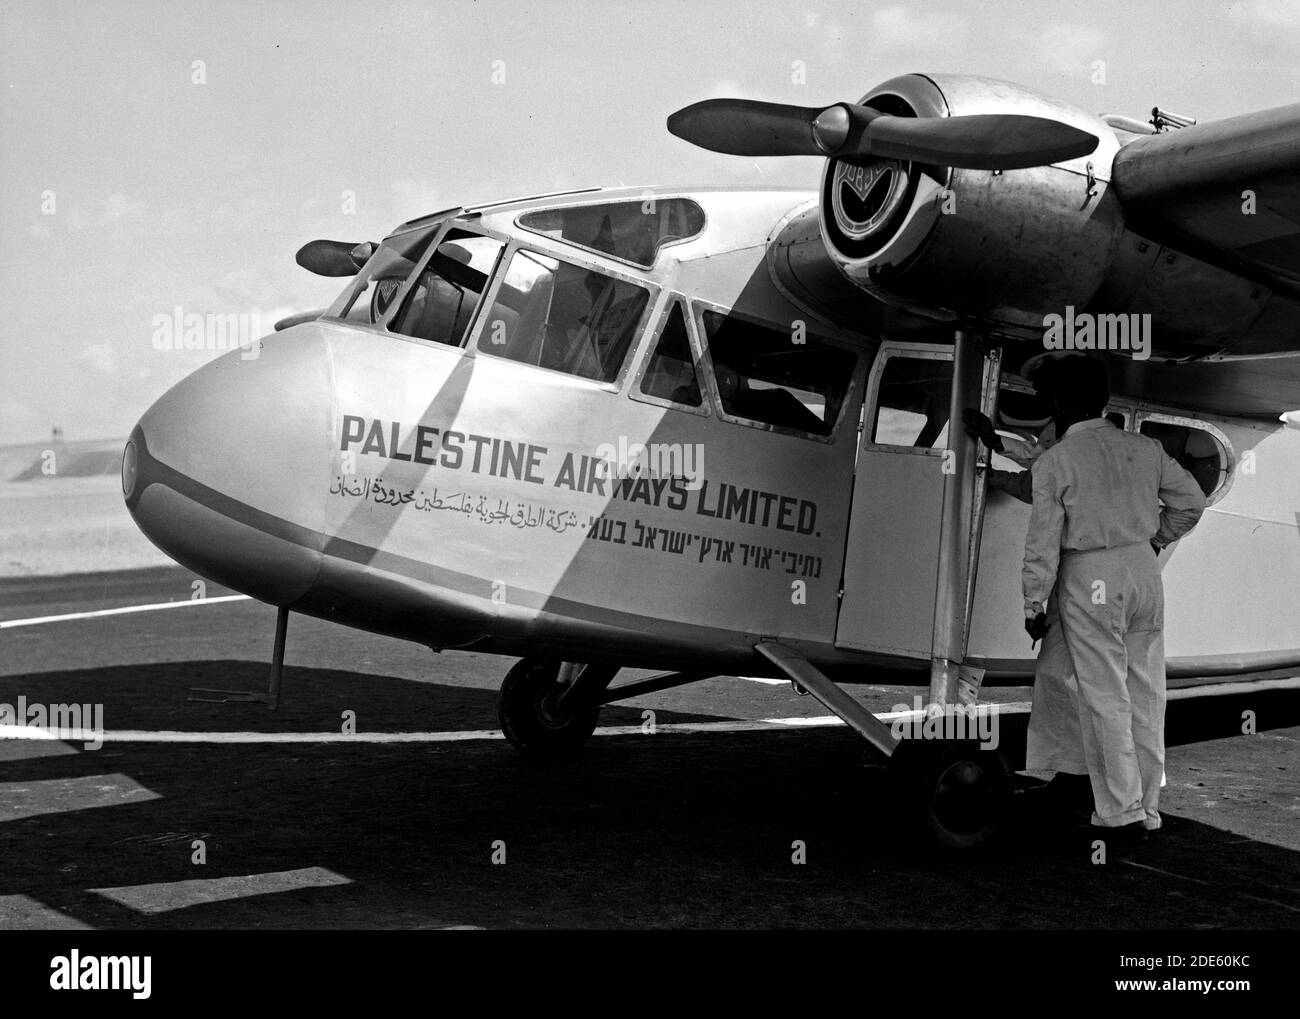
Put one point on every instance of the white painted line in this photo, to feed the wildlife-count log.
(1166, 873)
(458, 736)
(1009, 708)
(455, 736)
(1196, 880)
(168, 736)
(6, 624)
(1228, 686)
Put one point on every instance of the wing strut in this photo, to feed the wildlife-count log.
(803, 673)
(974, 384)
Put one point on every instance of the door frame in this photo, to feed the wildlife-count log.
(971, 465)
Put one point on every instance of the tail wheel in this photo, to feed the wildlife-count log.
(531, 718)
(956, 792)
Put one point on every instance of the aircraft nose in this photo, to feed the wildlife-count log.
(228, 471)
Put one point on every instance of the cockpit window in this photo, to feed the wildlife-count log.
(767, 376)
(383, 275)
(560, 316)
(632, 230)
(441, 303)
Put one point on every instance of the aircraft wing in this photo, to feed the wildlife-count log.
(1226, 192)
(1260, 387)
(1255, 387)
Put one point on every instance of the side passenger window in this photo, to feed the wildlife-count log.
(912, 402)
(1196, 450)
(765, 376)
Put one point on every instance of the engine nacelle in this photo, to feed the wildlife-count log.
(1002, 247)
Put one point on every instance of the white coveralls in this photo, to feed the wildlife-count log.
(1054, 742)
(1095, 512)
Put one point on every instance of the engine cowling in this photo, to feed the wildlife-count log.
(1036, 235)
(1002, 247)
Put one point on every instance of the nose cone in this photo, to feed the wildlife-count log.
(228, 472)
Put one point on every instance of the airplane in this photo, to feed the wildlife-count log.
(706, 431)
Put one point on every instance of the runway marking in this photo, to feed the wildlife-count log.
(454, 736)
(20, 750)
(22, 912)
(7, 624)
(457, 736)
(36, 797)
(166, 896)
(1196, 880)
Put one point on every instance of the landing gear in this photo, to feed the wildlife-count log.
(955, 791)
(546, 707)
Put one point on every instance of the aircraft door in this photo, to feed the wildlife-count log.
(906, 480)
(892, 558)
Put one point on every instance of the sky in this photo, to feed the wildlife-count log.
(162, 155)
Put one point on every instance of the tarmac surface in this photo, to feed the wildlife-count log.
(230, 816)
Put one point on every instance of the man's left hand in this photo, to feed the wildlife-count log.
(1036, 626)
(978, 426)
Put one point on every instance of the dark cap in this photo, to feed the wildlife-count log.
(1080, 384)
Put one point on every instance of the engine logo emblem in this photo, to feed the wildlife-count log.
(865, 197)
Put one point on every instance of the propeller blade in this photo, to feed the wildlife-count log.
(986, 141)
(332, 258)
(746, 127)
(983, 141)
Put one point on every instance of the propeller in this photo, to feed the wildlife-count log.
(983, 141)
(333, 258)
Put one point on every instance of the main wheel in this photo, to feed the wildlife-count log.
(955, 792)
(532, 720)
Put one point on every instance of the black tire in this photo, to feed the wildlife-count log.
(529, 718)
(955, 793)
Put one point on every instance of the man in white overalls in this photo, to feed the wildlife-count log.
(1095, 530)
(1053, 743)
